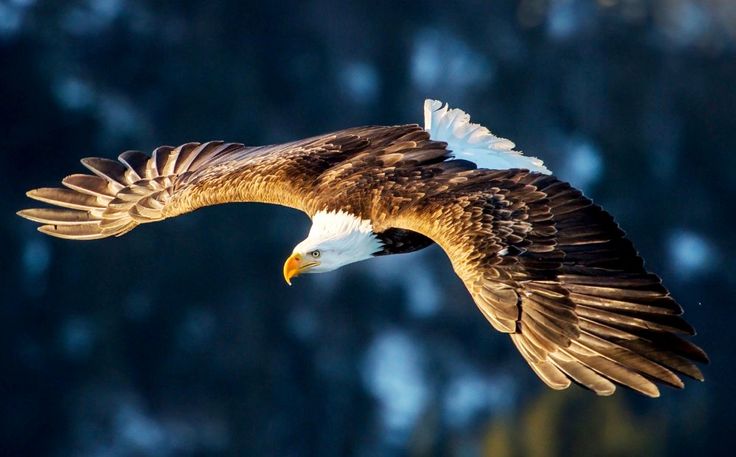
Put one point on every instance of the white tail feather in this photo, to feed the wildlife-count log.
(473, 142)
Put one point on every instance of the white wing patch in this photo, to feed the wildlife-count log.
(473, 142)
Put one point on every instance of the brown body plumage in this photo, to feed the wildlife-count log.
(542, 262)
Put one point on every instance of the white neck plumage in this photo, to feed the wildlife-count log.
(342, 239)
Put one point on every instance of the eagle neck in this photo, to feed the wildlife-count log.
(353, 234)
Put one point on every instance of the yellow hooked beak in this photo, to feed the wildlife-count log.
(295, 265)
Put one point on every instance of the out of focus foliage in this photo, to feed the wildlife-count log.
(181, 338)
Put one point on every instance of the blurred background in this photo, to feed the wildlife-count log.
(181, 337)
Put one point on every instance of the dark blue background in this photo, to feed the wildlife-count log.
(181, 338)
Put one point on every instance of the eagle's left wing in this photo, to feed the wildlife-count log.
(554, 271)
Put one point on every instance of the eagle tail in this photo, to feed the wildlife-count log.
(473, 142)
(119, 195)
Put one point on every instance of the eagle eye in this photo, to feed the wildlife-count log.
(315, 254)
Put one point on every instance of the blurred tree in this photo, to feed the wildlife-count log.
(181, 339)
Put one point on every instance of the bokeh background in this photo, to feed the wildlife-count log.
(181, 338)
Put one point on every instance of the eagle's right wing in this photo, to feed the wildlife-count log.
(138, 188)
(554, 271)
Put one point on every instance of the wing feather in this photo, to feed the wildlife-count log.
(58, 216)
(67, 198)
(135, 162)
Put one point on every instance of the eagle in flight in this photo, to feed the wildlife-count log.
(542, 262)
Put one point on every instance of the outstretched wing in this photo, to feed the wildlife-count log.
(138, 188)
(554, 271)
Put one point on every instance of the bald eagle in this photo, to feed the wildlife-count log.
(542, 262)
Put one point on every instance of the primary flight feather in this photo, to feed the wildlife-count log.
(541, 261)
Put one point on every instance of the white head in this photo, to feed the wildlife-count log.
(336, 239)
